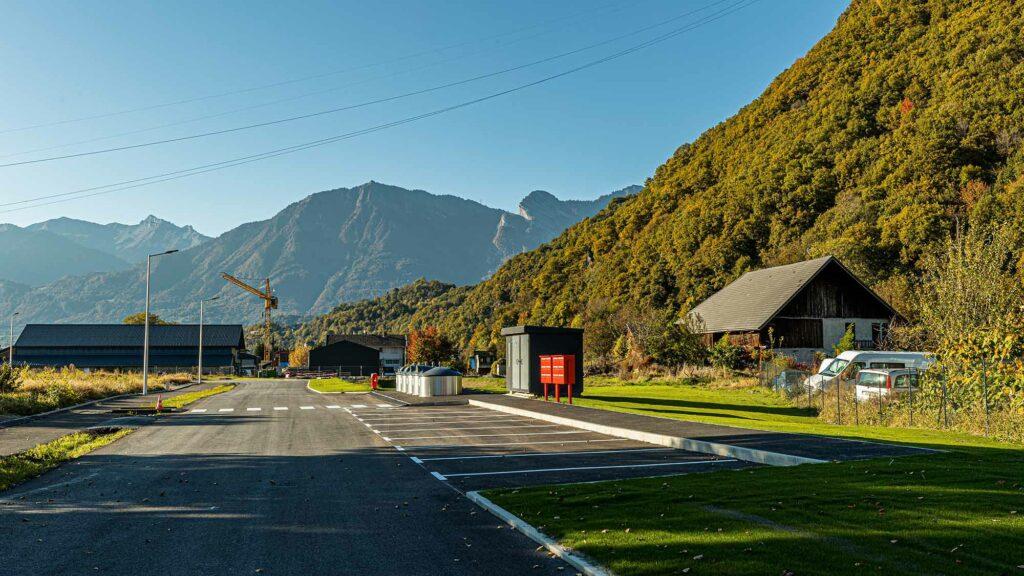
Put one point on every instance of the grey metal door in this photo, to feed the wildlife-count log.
(515, 363)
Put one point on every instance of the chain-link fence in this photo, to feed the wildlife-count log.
(980, 397)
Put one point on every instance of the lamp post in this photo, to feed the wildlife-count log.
(145, 334)
(10, 348)
(199, 376)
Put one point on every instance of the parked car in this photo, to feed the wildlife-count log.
(881, 382)
(849, 363)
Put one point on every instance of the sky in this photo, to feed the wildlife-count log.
(83, 76)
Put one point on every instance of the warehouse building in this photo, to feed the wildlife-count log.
(345, 357)
(390, 346)
(798, 309)
(119, 346)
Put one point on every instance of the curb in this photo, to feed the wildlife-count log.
(308, 387)
(573, 559)
(703, 446)
(16, 421)
(382, 396)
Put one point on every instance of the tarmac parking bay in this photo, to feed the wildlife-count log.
(476, 449)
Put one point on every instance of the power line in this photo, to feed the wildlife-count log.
(294, 80)
(283, 100)
(366, 103)
(139, 182)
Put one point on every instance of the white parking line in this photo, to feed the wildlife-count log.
(226, 410)
(450, 446)
(531, 454)
(359, 405)
(197, 411)
(280, 407)
(489, 435)
(385, 406)
(333, 406)
(446, 423)
(391, 428)
(422, 414)
(539, 470)
(438, 476)
(375, 431)
(416, 460)
(307, 407)
(500, 418)
(253, 409)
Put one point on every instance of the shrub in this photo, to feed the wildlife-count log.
(10, 378)
(725, 354)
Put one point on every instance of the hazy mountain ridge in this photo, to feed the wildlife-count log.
(334, 246)
(128, 242)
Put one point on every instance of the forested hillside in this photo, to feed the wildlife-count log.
(903, 121)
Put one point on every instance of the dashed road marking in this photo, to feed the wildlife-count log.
(359, 405)
(280, 407)
(333, 406)
(226, 410)
(385, 406)
(307, 407)
(197, 411)
(253, 409)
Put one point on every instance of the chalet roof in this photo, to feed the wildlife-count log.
(127, 335)
(752, 300)
(370, 340)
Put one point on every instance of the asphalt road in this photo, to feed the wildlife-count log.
(270, 479)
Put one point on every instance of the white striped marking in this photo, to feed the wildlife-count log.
(386, 439)
(392, 428)
(406, 421)
(399, 448)
(280, 407)
(226, 410)
(416, 460)
(359, 405)
(490, 435)
(385, 406)
(375, 431)
(253, 409)
(197, 411)
(540, 470)
(438, 476)
(531, 454)
(306, 407)
(451, 446)
(333, 406)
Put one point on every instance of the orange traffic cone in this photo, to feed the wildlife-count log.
(159, 403)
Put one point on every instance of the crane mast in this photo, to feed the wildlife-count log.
(269, 303)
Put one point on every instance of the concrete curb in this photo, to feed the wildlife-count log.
(16, 421)
(311, 389)
(383, 396)
(703, 446)
(573, 559)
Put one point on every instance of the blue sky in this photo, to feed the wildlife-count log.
(578, 136)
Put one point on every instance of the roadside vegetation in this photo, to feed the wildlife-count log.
(334, 385)
(18, 468)
(30, 391)
(182, 400)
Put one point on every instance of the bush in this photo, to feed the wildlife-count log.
(725, 354)
(10, 378)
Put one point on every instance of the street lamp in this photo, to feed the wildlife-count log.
(145, 336)
(201, 302)
(10, 348)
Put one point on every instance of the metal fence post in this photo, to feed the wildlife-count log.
(880, 418)
(856, 408)
(912, 382)
(839, 397)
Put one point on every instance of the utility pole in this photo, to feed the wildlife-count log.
(145, 333)
(10, 348)
(199, 378)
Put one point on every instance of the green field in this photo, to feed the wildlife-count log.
(957, 512)
(333, 385)
(182, 400)
(484, 384)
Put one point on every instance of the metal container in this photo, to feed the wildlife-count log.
(440, 382)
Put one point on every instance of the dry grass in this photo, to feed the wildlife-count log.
(49, 389)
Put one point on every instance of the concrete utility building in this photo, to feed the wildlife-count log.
(390, 346)
(119, 346)
(805, 307)
(345, 356)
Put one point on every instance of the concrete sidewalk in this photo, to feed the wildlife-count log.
(24, 434)
(762, 447)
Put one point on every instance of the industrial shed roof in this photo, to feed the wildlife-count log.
(752, 300)
(126, 335)
(370, 340)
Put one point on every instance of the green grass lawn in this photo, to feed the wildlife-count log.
(958, 512)
(182, 400)
(330, 385)
(24, 466)
(484, 384)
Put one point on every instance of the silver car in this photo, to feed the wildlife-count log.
(882, 382)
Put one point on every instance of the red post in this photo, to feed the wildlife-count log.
(570, 392)
(374, 378)
(558, 393)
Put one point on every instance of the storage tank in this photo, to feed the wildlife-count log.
(440, 381)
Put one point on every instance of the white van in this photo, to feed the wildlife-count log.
(850, 362)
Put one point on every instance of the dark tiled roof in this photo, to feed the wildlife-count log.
(122, 335)
(755, 298)
(370, 340)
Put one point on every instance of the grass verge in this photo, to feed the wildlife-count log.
(484, 384)
(959, 512)
(330, 385)
(18, 468)
(182, 400)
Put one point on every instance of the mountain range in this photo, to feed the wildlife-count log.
(900, 126)
(330, 247)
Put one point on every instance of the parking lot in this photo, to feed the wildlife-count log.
(476, 448)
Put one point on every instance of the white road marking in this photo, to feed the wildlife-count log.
(197, 411)
(399, 448)
(359, 405)
(491, 435)
(386, 439)
(375, 431)
(438, 476)
(416, 460)
(333, 406)
(280, 407)
(529, 454)
(400, 421)
(367, 425)
(253, 409)
(450, 446)
(307, 407)
(226, 410)
(385, 406)
(539, 470)
(392, 428)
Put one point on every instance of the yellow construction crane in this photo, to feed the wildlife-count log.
(269, 303)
